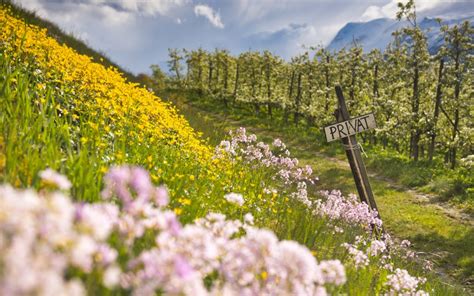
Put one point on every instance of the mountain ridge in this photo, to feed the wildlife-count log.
(377, 33)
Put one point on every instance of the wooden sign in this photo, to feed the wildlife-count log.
(346, 129)
(349, 127)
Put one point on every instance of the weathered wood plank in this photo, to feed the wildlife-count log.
(349, 127)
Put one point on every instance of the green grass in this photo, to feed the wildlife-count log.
(35, 135)
(447, 241)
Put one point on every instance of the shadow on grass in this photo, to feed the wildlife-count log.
(461, 260)
(335, 178)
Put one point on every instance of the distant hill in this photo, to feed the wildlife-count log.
(378, 33)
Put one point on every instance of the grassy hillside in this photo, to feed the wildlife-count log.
(193, 224)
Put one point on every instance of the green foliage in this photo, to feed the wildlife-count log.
(421, 112)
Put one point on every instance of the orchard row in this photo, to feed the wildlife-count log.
(421, 101)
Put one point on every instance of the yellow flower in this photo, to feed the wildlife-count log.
(102, 93)
(184, 201)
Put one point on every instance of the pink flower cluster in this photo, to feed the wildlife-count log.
(254, 263)
(258, 153)
(399, 282)
(403, 284)
(50, 177)
(335, 206)
(43, 236)
(295, 180)
(367, 249)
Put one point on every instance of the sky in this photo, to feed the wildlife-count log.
(138, 33)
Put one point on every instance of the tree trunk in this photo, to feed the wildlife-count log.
(209, 80)
(254, 92)
(285, 115)
(199, 75)
(326, 104)
(457, 90)
(178, 75)
(236, 84)
(188, 67)
(290, 95)
(415, 133)
(226, 84)
(298, 100)
(431, 148)
(257, 109)
(352, 88)
(216, 85)
(375, 91)
(269, 90)
(376, 82)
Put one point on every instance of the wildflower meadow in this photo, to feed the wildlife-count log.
(107, 190)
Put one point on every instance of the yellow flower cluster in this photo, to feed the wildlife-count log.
(100, 90)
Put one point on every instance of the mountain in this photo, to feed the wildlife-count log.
(378, 33)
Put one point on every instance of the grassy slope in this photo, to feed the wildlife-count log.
(446, 240)
(175, 170)
(29, 119)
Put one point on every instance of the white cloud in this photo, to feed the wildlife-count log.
(209, 13)
(390, 9)
(108, 14)
(69, 14)
(250, 10)
(108, 7)
(147, 7)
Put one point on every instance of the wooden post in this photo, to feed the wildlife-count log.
(354, 156)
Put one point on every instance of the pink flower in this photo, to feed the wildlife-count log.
(402, 283)
(52, 177)
(333, 272)
(183, 269)
(161, 197)
(235, 198)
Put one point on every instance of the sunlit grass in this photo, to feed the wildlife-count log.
(60, 110)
